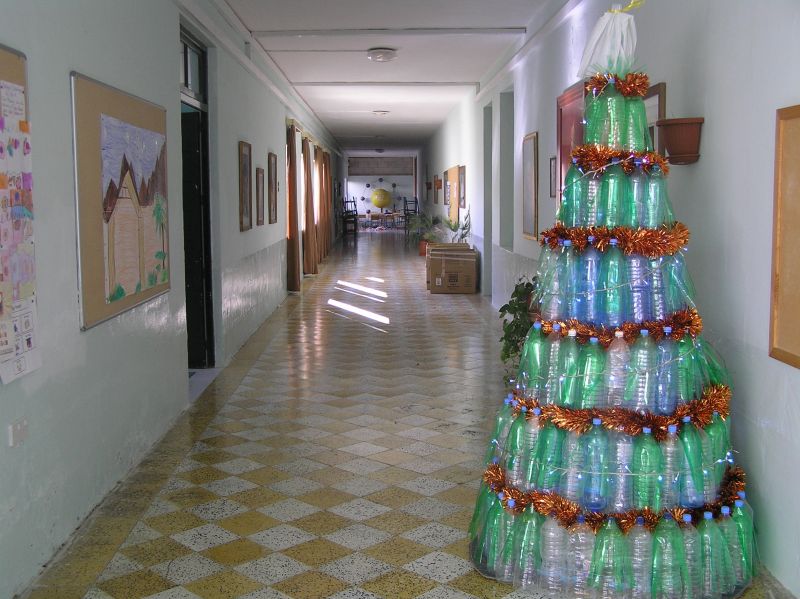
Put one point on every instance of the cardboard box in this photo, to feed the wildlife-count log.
(454, 271)
(455, 247)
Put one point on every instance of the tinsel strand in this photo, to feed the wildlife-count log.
(665, 240)
(593, 158)
(633, 84)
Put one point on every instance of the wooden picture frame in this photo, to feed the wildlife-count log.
(462, 187)
(437, 185)
(245, 186)
(446, 186)
(452, 178)
(553, 176)
(655, 104)
(272, 187)
(122, 201)
(784, 330)
(259, 196)
(530, 186)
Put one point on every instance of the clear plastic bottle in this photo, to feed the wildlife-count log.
(636, 196)
(616, 374)
(640, 388)
(694, 565)
(534, 358)
(614, 285)
(639, 279)
(667, 382)
(689, 380)
(569, 278)
(527, 550)
(552, 302)
(731, 534)
(579, 559)
(574, 190)
(590, 204)
(514, 451)
(591, 368)
(571, 486)
(590, 298)
(595, 486)
(672, 454)
(669, 561)
(691, 478)
(622, 479)
(613, 116)
(743, 518)
(709, 483)
(678, 283)
(658, 210)
(502, 422)
(641, 542)
(530, 463)
(658, 290)
(712, 583)
(551, 385)
(612, 194)
(647, 467)
(554, 555)
(569, 387)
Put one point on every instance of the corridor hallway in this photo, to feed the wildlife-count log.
(337, 456)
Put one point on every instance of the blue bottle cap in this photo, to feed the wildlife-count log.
(524, 408)
(708, 516)
(667, 330)
(726, 510)
(501, 495)
(597, 421)
(574, 160)
(637, 161)
(537, 411)
(687, 518)
(742, 495)
(672, 429)
(567, 242)
(687, 419)
(613, 241)
(639, 520)
(667, 516)
(738, 503)
(594, 340)
(646, 430)
(556, 326)
(537, 325)
(590, 239)
(715, 413)
(581, 519)
(508, 400)
(511, 503)
(644, 332)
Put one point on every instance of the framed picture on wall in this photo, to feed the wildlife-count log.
(259, 196)
(446, 184)
(245, 186)
(437, 185)
(462, 187)
(272, 187)
(530, 186)
(569, 128)
(553, 176)
(655, 105)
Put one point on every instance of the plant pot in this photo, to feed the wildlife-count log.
(681, 138)
(423, 247)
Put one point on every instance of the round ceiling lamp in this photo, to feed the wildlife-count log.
(381, 54)
(380, 112)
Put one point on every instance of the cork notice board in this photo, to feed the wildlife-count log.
(784, 338)
(121, 194)
(451, 176)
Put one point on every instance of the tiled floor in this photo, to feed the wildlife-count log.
(337, 456)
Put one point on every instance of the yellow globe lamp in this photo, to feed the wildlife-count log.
(381, 198)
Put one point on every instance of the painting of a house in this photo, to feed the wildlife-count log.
(134, 208)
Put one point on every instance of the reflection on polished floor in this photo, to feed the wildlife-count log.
(337, 456)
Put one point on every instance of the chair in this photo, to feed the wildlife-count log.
(410, 208)
(350, 217)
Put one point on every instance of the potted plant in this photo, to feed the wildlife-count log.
(423, 229)
(516, 328)
(459, 232)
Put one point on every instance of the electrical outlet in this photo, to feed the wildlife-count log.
(17, 432)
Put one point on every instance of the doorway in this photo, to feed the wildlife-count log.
(196, 205)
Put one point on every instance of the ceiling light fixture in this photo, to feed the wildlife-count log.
(381, 54)
(380, 112)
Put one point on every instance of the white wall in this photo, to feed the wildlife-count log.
(732, 63)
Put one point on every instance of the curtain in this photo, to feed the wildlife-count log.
(310, 255)
(293, 277)
(326, 161)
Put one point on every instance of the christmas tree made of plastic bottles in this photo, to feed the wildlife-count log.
(610, 470)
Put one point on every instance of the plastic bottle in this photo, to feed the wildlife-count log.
(579, 559)
(640, 388)
(552, 293)
(616, 374)
(592, 115)
(534, 358)
(551, 384)
(639, 279)
(568, 369)
(691, 478)
(743, 496)
(694, 565)
(569, 277)
(637, 134)
(489, 540)
(672, 455)
(574, 190)
(591, 368)
(612, 194)
(621, 494)
(610, 573)
(719, 438)
(595, 485)
(504, 557)
(612, 117)
(731, 534)
(716, 577)
(647, 467)
(590, 298)
(554, 555)
(486, 499)
(530, 463)
(667, 381)
(549, 455)
(709, 484)
(743, 519)
(658, 210)
(590, 203)
(502, 423)
(678, 283)
(658, 290)
(614, 283)
(641, 543)
(689, 380)
(528, 548)
(669, 562)
(635, 196)
(514, 451)
(571, 486)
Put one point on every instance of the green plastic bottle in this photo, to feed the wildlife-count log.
(513, 451)
(605, 118)
(610, 572)
(689, 386)
(486, 498)
(572, 196)
(612, 195)
(591, 368)
(569, 386)
(719, 437)
(670, 574)
(527, 548)
(744, 526)
(502, 423)
(534, 359)
(592, 131)
(691, 483)
(484, 539)
(549, 453)
(647, 467)
(637, 133)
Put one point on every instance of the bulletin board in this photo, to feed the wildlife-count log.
(451, 176)
(784, 338)
(19, 344)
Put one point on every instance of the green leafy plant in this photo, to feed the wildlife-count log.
(423, 227)
(517, 326)
(459, 232)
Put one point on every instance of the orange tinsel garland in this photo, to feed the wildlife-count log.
(715, 398)
(566, 511)
(633, 84)
(593, 158)
(664, 241)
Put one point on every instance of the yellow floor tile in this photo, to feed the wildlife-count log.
(236, 552)
(322, 523)
(173, 522)
(399, 585)
(206, 474)
(317, 552)
(266, 475)
(225, 585)
(311, 585)
(136, 585)
(154, 552)
(215, 456)
(247, 523)
(395, 522)
(325, 498)
(191, 496)
(397, 551)
(475, 584)
(255, 498)
(394, 497)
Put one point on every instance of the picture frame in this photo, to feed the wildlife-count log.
(553, 176)
(784, 330)
(272, 187)
(122, 199)
(452, 176)
(446, 185)
(655, 105)
(245, 186)
(530, 186)
(462, 192)
(437, 185)
(259, 196)
(569, 129)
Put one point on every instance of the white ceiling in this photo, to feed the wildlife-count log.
(321, 48)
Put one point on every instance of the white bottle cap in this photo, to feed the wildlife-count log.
(572, 333)
(619, 334)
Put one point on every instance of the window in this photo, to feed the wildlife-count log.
(193, 70)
